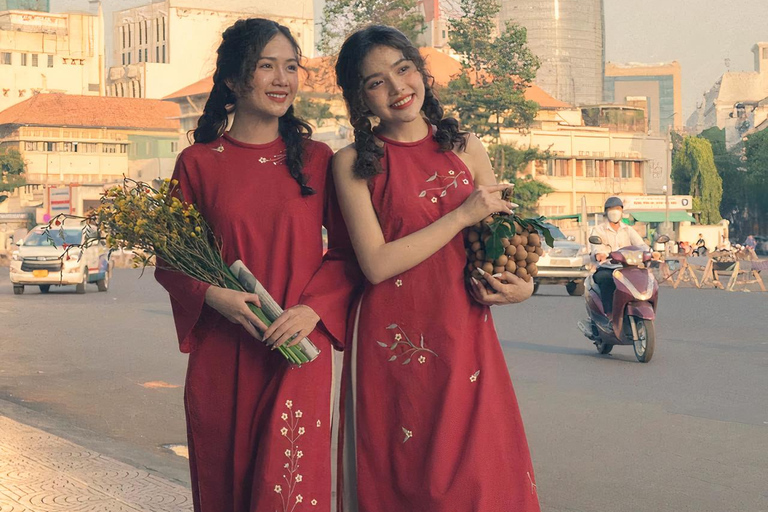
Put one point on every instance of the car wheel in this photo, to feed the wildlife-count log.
(18, 289)
(80, 287)
(103, 284)
(575, 288)
(45, 288)
(535, 287)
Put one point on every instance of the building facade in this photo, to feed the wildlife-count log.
(594, 162)
(67, 139)
(657, 88)
(161, 47)
(569, 39)
(42, 52)
(737, 103)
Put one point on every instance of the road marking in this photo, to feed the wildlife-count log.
(158, 384)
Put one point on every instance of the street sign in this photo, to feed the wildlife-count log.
(59, 200)
(657, 202)
(15, 217)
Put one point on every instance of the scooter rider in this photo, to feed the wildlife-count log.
(615, 235)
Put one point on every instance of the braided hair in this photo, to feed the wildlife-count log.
(349, 79)
(238, 53)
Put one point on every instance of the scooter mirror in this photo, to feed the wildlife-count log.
(595, 240)
(663, 239)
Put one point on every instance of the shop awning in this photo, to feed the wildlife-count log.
(660, 216)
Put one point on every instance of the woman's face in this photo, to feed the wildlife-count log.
(393, 87)
(274, 82)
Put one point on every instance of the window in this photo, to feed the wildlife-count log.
(23, 59)
(146, 31)
(109, 148)
(5, 58)
(157, 30)
(122, 34)
(50, 61)
(558, 167)
(35, 59)
(174, 147)
(627, 170)
(157, 54)
(68, 147)
(164, 54)
(140, 39)
(146, 54)
(140, 55)
(129, 36)
(162, 22)
(589, 168)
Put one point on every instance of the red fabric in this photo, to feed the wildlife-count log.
(239, 395)
(437, 424)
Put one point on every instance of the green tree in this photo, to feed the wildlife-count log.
(12, 168)
(489, 92)
(509, 162)
(694, 164)
(313, 111)
(342, 17)
(756, 209)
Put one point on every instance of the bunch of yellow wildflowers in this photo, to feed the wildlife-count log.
(160, 228)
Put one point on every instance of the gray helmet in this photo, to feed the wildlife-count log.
(613, 202)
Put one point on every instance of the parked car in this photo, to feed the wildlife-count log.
(44, 262)
(567, 263)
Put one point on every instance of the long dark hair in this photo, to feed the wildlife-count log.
(238, 53)
(349, 78)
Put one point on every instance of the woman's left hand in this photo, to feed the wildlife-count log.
(291, 327)
(508, 289)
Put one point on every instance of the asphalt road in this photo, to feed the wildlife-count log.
(686, 432)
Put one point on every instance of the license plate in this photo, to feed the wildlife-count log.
(40, 273)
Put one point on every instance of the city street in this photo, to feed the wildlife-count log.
(686, 432)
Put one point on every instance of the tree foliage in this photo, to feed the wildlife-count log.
(12, 168)
(509, 162)
(694, 164)
(312, 111)
(496, 69)
(343, 17)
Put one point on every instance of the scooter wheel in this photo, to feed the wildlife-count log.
(602, 347)
(646, 342)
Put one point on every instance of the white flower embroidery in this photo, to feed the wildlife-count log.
(422, 359)
(318, 423)
(399, 283)
(288, 404)
(299, 454)
(298, 414)
(284, 416)
(219, 149)
(408, 434)
(411, 349)
(474, 376)
(299, 498)
(451, 173)
(466, 182)
(278, 489)
(287, 453)
(434, 199)
(284, 431)
(533, 484)
(314, 502)
(301, 430)
(298, 478)
(398, 337)
(291, 478)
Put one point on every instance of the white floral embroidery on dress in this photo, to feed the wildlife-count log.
(275, 159)
(219, 149)
(412, 349)
(422, 359)
(452, 180)
(314, 502)
(292, 432)
(408, 434)
(399, 283)
(474, 376)
(534, 489)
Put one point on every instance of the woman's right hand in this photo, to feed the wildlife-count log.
(484, 201)
(233, 306)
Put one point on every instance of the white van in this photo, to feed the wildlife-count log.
(40, 261)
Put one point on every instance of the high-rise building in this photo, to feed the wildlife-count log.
(44, 52)
(654, 87)
(163, 46)
(569, 39)
(25, 5)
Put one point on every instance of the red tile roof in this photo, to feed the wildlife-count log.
(323, 80)
(93, 111)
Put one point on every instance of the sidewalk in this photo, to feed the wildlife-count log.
(40, 472)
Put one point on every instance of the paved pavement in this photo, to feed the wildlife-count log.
(686, 432)
(40, 472)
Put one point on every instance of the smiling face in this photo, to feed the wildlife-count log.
(274, 82)
(393, 87)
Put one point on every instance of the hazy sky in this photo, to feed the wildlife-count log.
(700, 34)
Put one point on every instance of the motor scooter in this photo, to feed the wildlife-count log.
(631, 322)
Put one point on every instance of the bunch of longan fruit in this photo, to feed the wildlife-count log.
(519, 252)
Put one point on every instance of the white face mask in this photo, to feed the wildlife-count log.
(615, 215)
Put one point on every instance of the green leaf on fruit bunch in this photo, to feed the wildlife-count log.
(500, 228)
(538, 223)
